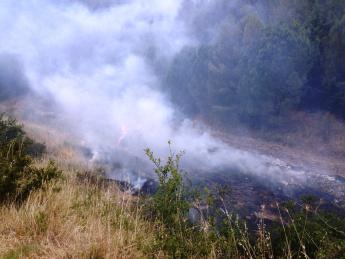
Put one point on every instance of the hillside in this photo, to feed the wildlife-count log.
(172, 129)
(83, 215)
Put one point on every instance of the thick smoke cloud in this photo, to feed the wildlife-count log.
(12, 79)
(93, 58)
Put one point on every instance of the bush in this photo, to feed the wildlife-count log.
(18, 175)
(171, 205)
(217, 233)
(11, 131)
(193, 223)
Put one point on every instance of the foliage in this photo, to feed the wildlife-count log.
(275, 70)
(18, 175)
(12, 132)
(263, 63)
(176, 235)
(197, 223)
(310, 232)
(184, 223)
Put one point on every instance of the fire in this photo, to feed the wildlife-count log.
(124, 133)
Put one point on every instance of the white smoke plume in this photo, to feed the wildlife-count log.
(92, 58)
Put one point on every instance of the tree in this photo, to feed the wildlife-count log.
(335, 66)
(275, 70)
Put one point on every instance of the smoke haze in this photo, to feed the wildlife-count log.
(94, 58)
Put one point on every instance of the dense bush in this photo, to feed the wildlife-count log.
(18, 175)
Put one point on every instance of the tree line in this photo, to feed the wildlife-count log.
(264, 62)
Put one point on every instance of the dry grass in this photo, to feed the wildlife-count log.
(74, 220)
(70, 218)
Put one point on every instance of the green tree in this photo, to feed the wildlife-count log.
(275, 70)
(334, 55)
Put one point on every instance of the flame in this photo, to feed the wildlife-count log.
(124, 133)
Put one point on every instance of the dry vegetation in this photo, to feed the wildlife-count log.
(80, 216)
(74, 219)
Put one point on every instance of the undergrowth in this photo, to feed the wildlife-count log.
(46, 212)
(18, 174)
(302, 231)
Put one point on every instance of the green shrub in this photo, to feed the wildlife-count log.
(18, 175)
(310, 231)
(33, 178)
(302, 231)
(11, 131)
(171, 204)
(214, 232)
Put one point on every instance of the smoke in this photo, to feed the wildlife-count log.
(12, 79)
(94, 58)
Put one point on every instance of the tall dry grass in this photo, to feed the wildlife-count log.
(71, 219)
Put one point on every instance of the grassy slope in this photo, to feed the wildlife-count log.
(76, 220)
(73, 218)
